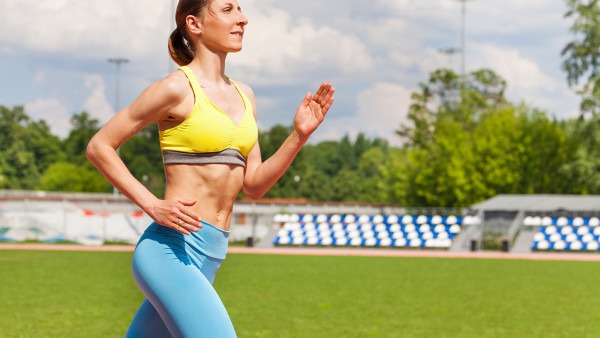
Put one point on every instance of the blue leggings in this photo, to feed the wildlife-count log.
(175, 272)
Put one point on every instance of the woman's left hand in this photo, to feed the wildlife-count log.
(312, 110)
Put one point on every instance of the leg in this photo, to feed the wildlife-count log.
(181, 294)
(147, 323)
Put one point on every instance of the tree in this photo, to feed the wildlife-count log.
(474, 148)
(582, 55)
(27, 148)
(62, 176)
(84, 127)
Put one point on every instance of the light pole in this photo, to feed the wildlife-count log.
(462, 36)
(117, 62)
(449, 52)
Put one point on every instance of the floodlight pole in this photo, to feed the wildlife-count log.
(117, 62)
(450, 52)
(462, 37)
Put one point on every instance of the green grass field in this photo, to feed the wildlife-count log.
(92, 294)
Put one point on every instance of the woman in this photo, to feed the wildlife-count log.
(208, 136)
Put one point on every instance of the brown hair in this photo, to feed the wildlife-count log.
(180, 47)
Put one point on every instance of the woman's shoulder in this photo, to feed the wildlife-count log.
(174, 86)
(246, 89)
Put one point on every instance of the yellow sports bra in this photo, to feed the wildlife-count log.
(208, 135)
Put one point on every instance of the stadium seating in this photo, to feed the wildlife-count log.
(564, 233)
(404, 231)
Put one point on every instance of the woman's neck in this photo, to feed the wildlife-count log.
(209, 67)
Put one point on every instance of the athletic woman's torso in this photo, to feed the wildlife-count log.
(205, 143)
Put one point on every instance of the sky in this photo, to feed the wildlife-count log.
(54, 56)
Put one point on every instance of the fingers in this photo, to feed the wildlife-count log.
(324, 96)
(180, 218)
(307, 99)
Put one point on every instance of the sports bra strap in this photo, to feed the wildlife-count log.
(193, 81)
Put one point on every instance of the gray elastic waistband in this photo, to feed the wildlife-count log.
(227, 156)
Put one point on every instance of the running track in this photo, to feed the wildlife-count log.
(335, 252)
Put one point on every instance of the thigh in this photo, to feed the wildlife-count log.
(183, 297)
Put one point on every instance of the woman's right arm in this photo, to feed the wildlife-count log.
(157, 102)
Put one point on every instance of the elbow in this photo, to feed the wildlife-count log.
(254, 194)
(91, 151)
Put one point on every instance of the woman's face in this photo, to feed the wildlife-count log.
(223, 26)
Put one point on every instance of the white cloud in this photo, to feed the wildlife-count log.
(278, 49)
(97, 104)
(381, 110)
(520, 72)
(85, 28)
(54, 112)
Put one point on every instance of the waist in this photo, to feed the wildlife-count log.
(210, 240)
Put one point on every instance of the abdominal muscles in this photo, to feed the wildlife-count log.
(214, 187)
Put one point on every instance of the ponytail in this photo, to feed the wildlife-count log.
(180, 49)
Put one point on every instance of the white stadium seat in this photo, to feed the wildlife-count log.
(312, 241)
(437, 219)
(570, 238)
(587, 238)
(576, 245)
(560, 245)
(539, 237)
(455, 229)
(323, 226)
(416, 243)
(364, 219)
(383, 234)
(594, 222)
(555, 237)
(565, 230)
(385, 242)
(392, 219)
(353, 234)
(356, 241)
(400, 242)
(368, 234)
(543, 245)
(427, 235)
(592, 246)
(412, 235)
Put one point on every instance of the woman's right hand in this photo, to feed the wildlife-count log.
(175, 213)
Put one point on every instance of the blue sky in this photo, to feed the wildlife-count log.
(53, 55)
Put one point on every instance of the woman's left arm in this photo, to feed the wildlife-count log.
(260, 176)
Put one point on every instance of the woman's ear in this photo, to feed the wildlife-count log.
(194, 25)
